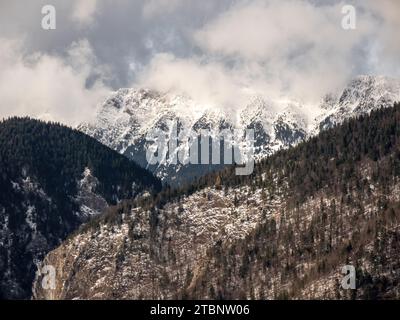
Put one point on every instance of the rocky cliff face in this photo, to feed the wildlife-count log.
(147, 254)
(284, 232)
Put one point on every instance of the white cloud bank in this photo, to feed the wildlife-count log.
(277, 48)
(295, 48)
(49, 87)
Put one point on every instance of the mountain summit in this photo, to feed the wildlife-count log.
(128, 115)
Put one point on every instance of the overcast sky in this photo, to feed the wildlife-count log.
(217, 51)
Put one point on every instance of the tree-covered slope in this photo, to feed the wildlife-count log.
(53, 178)
(341, 206)
(284, 232)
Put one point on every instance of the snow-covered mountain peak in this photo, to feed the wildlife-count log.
(293, 114)
(328, 101)
(127, 116)
(370, 92)
(361, 95)
(257, 110)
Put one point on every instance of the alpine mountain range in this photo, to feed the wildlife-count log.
(127, 117)
(72, 199)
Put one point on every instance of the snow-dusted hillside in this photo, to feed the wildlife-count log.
(124, 120)
(283, 233)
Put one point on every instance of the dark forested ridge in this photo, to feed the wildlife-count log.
(58, 155)
(44, 195)
(283, 232)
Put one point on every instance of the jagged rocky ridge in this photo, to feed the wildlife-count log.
(128, 115)
(283, 232)
(52, 179)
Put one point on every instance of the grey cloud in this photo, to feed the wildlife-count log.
(118, 30)
(48, 86)
(274, 47)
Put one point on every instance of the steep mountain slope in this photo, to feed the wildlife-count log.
(284, 232)
(128, 115)
(52, 178)
(362, 95)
